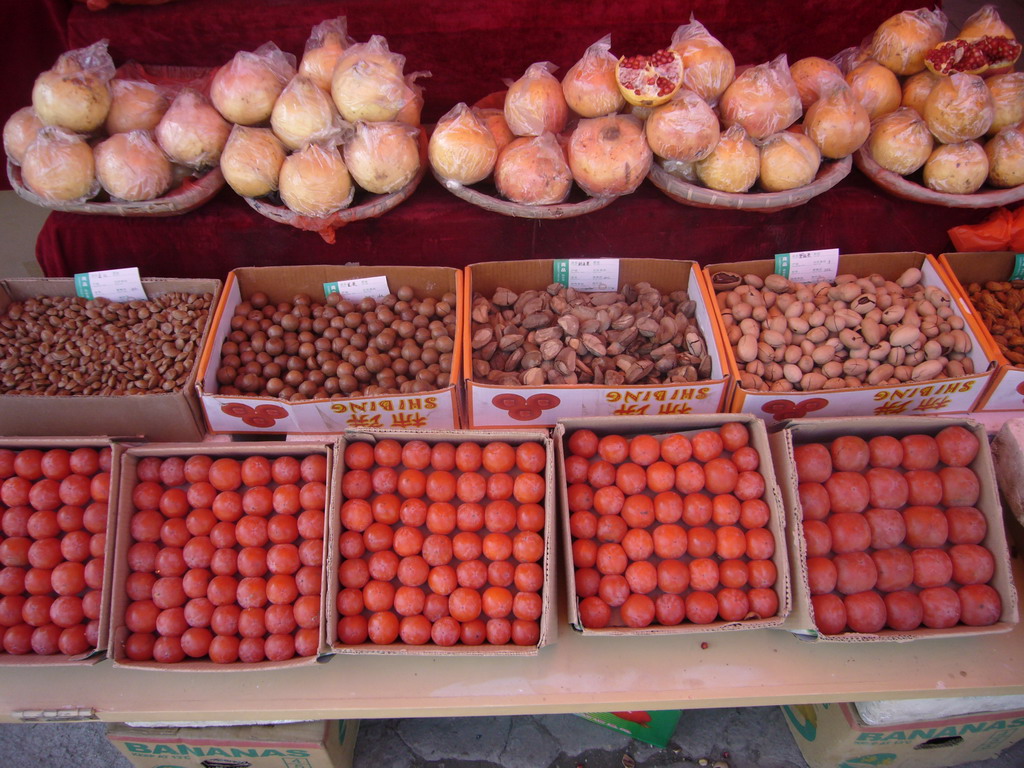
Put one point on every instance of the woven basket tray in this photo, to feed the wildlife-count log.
(906, 189)
(367, 206)
(193, 192)
(491, 202)
(830, 173)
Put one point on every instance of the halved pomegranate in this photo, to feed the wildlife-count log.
(986, 55)
(647, 81)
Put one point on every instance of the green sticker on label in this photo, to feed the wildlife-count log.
(83, 288)
(782, 263)
(1018, 267)
(560, 271)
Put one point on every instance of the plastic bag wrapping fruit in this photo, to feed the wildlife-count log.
(132, 167)
(985, 21)
(788, 160)
(75, 92)
(136, 105)
(589, 86)
(494, 119)
(368, 82)
(383, 157)
(534, 103)
(59, 166)
(684, 129)
(251, 160)
(959, 108)
(763, 99)
(609, 156)
(837, 123)
(1002, 231)
(462, 149)
(244, 90)
(708, 66)
(192, 132)
(327, 41)
(900, 141)
(20, 130)
(901, 42)
(533, 171)
(734, 164)
(305, 114)
(1006, 158)
(1007, 99)
(850, 58)
(412, 110)
(315, 181)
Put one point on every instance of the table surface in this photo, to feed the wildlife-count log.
(574, 674)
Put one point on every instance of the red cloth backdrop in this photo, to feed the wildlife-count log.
(471, 47)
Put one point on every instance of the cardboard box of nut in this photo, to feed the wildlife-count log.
(444, 544)
(895, 529)
(367, 367)
(672, 525)
(994, 303)
(219, 555)
(833, 350)
(536, 353)
(72, 367)
(56, 563)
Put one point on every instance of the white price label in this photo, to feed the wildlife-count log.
(808, 266)
(362, 288)
(113, 284)
(587, 274)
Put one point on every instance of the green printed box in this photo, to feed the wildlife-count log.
(652, 727)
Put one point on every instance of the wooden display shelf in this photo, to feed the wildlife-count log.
(576, 674)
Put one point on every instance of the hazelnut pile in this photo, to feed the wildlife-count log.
(63, 345)
(852, 332)
(306, 349)
(561, 335)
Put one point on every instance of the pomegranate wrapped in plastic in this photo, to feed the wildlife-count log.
(461, 149)
(136, 105)
(733, 166)
(535, 103)
(814, 77)
(956, 169)
(900, 141)
(763, 100)
(959, 108)
(192, 132)
(875, 87)
(327, 41)
(244, 90)
(1006, 158)
(609, 155)
(837, 123)
(411, 113)
(59, 166)
(901, 42)
(532, 170)
(916, 89)
(20, 130)
(589, 86)
(315, 181)
(368, 82)
(130, 166)
(708, 66)
(1007, 100)
(383, 157)
(494, 120)
(684, 129)
(788, 160)
(305, 114)
(251, 161)
(850, 58)
(75, 93)
(985, 21)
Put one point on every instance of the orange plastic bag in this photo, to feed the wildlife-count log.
(1002, 231)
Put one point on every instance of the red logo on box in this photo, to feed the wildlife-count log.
(525, 408)
(787, 409)
(262, 416)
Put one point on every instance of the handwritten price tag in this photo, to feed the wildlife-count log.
(113, 284)
(587, 274)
